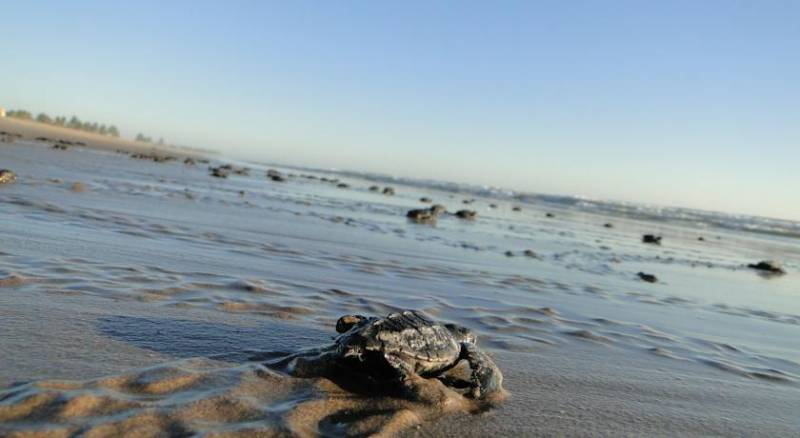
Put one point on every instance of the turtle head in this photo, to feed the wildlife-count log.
(347, 322)
(461, 334)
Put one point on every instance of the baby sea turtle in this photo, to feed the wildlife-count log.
(421, 216)
(651, 238)
(466, 214)
(7, 176)
(400, 348)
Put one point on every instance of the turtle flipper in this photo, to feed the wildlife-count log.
(411, 383)
(309, 363)
(486, 377)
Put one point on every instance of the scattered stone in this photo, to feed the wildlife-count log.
(516, 208)
(374, 188)
(492, 205)
(425, 200)
(468, 201)
(701, 239)
(152, 157)
(467, 214)
(509, 253)
(189, 161)
(7, 176)
(650, 238)
(9, 137)
(343, 186)
(78, 187)
(389, 191)
(243, 171)
(60, 147)
(549, 215)
(768, 266)
(608, 225)
(650, 278)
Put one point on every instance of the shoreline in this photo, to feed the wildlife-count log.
(31, 130)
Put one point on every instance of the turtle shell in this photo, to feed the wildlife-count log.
(425, 345)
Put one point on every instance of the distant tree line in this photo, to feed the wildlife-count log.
(72, 123)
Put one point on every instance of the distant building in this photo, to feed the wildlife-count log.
(2, 112)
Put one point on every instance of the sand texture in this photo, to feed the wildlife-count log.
(143, 298)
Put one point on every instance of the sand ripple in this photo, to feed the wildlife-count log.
(192, 397)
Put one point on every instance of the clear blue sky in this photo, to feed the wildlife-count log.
(691, 103)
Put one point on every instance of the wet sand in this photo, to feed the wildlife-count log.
(138, 304)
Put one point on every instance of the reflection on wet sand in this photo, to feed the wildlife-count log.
(219, 278)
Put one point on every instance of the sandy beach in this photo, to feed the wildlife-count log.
(142, 302)
(49, 134)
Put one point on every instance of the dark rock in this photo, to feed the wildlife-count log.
(374, 188)
(516, 208)
(343, 186)
(189, 161)
(768, 266)
(509, 253)
(389, 191)
(425, 200)
(608, 225)
(701, 239)
(277, 178)
(549, 215)
(650, 238)
(650, 278)
(60, 147)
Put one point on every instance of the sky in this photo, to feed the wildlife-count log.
(680, 103)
